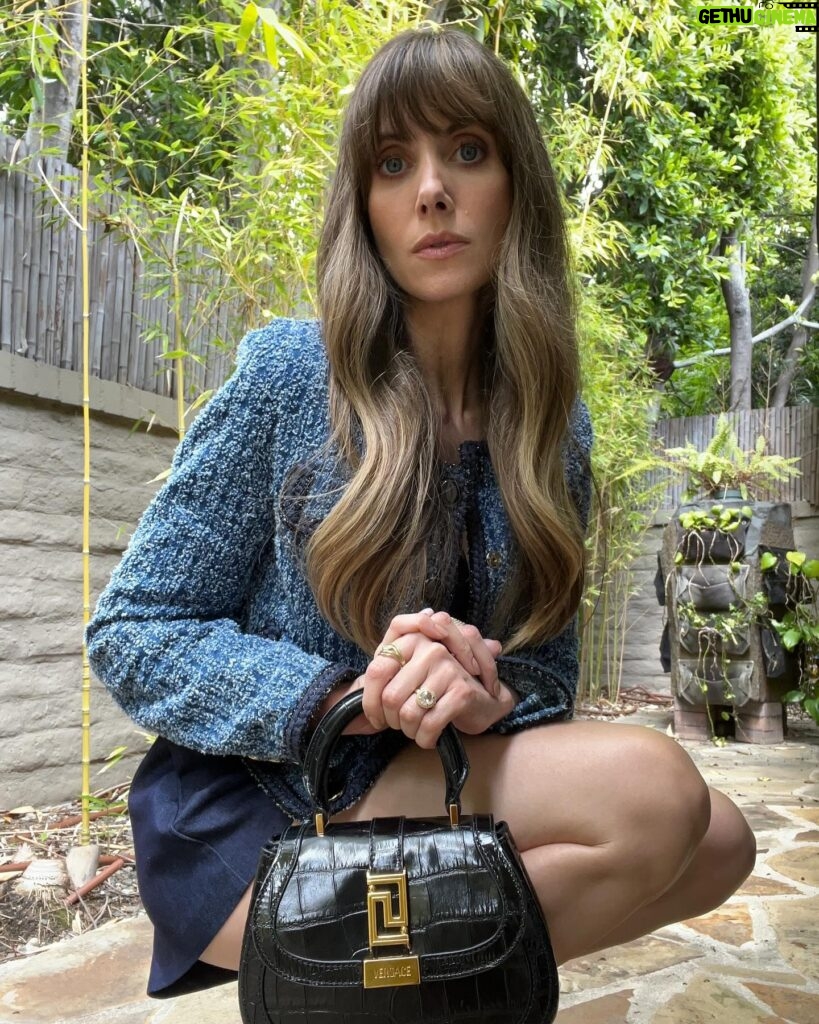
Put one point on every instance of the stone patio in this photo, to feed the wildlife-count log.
(753, 961)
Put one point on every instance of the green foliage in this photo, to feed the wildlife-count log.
(798, 629)
(618, 389)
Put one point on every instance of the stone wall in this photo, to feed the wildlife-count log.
(41, 571)
(641, 659)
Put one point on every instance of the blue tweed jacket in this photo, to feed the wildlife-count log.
(208, 633)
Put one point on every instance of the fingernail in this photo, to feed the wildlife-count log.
(426, 611)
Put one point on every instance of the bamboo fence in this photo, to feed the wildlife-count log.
(132, 315)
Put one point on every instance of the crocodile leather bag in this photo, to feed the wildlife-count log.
(428, 920)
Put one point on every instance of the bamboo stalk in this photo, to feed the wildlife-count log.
(178, 336)
(85, 833)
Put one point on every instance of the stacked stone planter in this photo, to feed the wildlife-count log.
(743, 679)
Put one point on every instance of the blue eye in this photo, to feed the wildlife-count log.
(388, 164)
(474, 148)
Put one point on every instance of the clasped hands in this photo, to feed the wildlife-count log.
(448, 658)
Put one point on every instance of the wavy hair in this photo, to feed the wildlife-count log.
(380, 550)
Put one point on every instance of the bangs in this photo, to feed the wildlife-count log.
(431, 81)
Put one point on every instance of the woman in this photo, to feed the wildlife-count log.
(422, 447)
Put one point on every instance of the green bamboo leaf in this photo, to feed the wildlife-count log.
(199, 401)
(269, 17)
(269, 39)
(250, 16)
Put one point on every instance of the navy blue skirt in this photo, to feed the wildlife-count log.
(199, 824)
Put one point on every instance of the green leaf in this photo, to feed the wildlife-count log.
(249, 18)
(796, 558)
(269, 39)
(793, 697)
(811, 705)
(791, 638)
(810, 570)
(269, 17)
(767, 561)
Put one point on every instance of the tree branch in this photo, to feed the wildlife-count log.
(794, 318)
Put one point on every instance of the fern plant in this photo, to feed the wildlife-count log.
(725, 465)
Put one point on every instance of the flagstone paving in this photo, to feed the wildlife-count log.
(753, 961)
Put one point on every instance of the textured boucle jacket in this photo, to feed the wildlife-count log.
(208, 633)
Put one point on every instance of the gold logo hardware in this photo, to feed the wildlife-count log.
(388, 925)
(383, 891)
(391, 971)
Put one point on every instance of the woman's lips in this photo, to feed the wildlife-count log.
(441, 252)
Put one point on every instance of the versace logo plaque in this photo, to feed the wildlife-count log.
(388, 925)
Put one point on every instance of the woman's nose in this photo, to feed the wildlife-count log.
(432, 189)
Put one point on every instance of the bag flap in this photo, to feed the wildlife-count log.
(465, 899)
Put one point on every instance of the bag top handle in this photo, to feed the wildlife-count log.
(323, 741)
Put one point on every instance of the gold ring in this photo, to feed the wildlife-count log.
(457, 621)
(425, 698)
(392, 651)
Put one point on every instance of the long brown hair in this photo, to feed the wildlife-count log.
(381, 549)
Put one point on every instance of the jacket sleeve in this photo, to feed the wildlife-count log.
(165, 636)
(545, 677)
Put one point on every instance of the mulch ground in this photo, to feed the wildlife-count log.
(31, 920)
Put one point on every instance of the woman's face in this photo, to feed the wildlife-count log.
(451, 184)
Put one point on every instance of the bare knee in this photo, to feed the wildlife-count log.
(727, 854)
(669, 809)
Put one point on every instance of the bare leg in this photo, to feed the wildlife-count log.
(722, 862)
(612, 822)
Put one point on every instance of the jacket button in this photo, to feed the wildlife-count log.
(494, 559)
(450, 492)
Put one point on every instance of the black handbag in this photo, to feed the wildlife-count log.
(395, 919)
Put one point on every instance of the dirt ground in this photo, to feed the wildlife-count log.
(33, 915)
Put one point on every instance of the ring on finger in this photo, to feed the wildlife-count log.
(425, 698)
(392, 651)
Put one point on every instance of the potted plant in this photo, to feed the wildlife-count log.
(718, 640)
(716, 534)
(724, 469)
